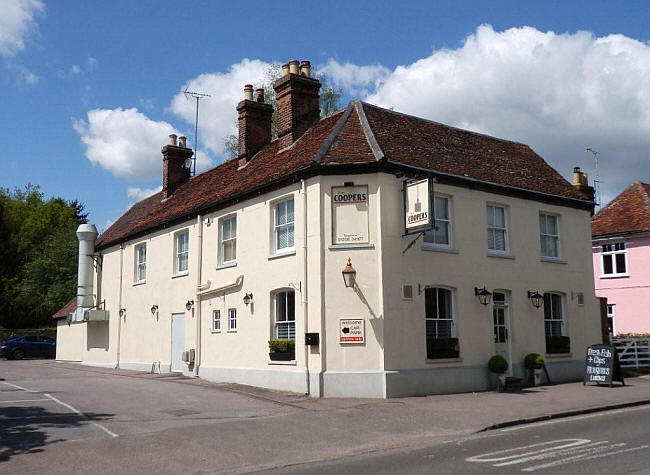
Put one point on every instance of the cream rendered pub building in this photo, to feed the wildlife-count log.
(198, 278)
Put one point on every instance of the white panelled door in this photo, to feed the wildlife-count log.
(178, 342)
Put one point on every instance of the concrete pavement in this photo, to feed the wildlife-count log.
(169, 423)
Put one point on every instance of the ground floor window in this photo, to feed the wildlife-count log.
(554, 324)
(284, 325)
(232, 319)
(611, 319)
(216, 320)
(439, 323)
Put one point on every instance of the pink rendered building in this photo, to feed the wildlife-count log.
(621, 253)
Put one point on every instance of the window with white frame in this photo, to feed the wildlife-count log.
(284, 325)
(216, 320)
(553, 315)
(497, 233)
(228, 240)
(182, 252)
(549, 235)
(283, 226)
(440, 235)
(613, 258)
(232, 319)
(611, 319)
(140, 263)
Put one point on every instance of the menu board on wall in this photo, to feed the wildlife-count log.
(350, 215)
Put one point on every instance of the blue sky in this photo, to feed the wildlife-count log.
(89, 89)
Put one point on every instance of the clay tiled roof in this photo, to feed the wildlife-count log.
(70, 307)
(362, 135)
(629, 212)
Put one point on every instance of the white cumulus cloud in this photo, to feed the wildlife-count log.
(352, 77)
(555, 92)
(17, 23)
(124, 141)
(217, 114)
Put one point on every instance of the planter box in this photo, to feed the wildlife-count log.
(558, 344)
(282, 356)
(438, 348)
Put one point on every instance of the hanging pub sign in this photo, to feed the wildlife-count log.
(350, 215)
(602, 365)
(418, 211)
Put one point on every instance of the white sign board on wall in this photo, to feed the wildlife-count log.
(352, 330)
(417, 206)
(350, 215)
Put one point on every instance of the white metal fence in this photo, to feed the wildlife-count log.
(633, 352)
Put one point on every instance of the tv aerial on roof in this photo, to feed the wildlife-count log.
(197, 96)
(597, 181)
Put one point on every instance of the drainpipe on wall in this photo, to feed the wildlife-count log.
(303, 292)
(119, 317)
(197, 296)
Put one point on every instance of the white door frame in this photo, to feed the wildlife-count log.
(508, 327)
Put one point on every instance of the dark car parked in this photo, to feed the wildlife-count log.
(28, 345)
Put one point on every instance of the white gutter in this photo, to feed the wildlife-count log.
(303, 292)
(119, 317)
(197, 300)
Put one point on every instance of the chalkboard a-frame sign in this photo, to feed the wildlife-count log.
(602, 365)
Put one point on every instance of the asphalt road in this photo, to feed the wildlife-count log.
(613, 442)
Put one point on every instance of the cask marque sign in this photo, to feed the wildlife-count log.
(602, 365)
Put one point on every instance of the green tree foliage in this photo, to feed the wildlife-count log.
(38, 255)
(329, 103)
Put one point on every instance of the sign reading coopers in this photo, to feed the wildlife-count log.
(352, 330)
(417, 206)
(350, 215)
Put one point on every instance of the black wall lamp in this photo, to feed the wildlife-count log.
(349, 274)
(154, 309)
(484, 295)
(189, 305)
(122, 312)
(536, 298)
(248, 298)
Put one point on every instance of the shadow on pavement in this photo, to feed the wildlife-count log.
(23, 429)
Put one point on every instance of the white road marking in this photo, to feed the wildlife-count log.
(26, 400)
(583, 458)
(66, 405)
(564, 443)
(581, 451)
(18, 387)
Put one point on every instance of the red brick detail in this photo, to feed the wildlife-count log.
(298, 109)
(254, 128)
(174, 171)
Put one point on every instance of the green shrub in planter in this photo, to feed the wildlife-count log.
(533, 361)
(282, 345)
(498, 364)
(558, 344)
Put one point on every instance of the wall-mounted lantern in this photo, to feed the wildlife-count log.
(189, 305)
(349, 274)
(484, 295)
(535, 298)
(154, 309)
(122, 312)
(248, 298)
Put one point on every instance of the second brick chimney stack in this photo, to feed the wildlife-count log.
(254, 124)
(175, 173)
(297, 96)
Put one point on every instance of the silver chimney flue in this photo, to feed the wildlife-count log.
(87, 234)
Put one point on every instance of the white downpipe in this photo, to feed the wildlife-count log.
(197, 296)
(119, 317)
(303, 292)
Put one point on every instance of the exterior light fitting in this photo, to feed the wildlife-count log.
(536, 298)
(248, 298)
(122, 312)
(154, 309)
(189, 305)
(349, 274)
(484, 295)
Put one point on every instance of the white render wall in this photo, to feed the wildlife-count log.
(392, 362)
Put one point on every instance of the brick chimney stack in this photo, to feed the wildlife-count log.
(297, 96)
(581, 183)
(254, 124)
(175, 173)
